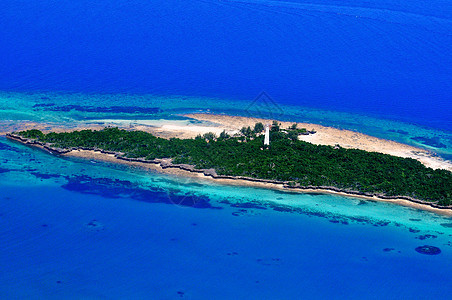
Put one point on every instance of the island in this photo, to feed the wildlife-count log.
(288, 161)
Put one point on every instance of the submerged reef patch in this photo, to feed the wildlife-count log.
(429, 250)
(98, 109)
(95, 225)
(240, 212)
(116, 188)
(7, 147)
(434, 142)
(426, 236)
(251, 204)
(44, 104)
(399, 131)
(3, 170)
(44, 176)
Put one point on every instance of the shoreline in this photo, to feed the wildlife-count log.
(166, 167)
(216, 123)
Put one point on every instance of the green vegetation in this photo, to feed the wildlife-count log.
(287, 159)
(258, 127)
(247, 131)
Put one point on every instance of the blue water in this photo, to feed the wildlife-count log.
(74, 228)
(386, 58)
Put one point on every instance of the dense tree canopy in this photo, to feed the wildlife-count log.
(287, 159)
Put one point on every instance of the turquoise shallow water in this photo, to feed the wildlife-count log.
(71, 108)
(73, 228)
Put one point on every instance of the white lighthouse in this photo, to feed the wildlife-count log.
(267, 135)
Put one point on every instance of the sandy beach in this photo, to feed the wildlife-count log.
(97, 155)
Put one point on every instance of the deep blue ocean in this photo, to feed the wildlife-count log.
(83, 229)
(385, 58)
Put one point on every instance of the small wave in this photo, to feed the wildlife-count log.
(384, 15)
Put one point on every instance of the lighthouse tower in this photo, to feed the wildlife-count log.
(267, 135)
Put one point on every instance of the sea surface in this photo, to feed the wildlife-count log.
(73, 228)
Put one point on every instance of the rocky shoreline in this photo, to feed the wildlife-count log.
(167, 164)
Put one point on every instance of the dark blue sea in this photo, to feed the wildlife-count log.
(74, 228)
